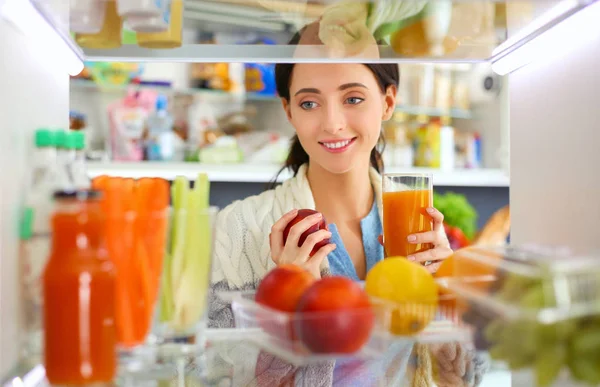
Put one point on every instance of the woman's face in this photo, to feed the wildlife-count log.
(337, 111)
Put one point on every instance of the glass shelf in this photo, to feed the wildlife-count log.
(263, 173)
(87, 85)
(329, 31)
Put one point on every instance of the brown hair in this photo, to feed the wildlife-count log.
(386, 74)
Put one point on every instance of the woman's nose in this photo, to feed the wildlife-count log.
(333, 121)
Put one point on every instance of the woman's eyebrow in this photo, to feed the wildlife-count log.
(308, 90)
(352, 84)
(342, 87)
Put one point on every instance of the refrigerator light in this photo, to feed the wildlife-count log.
(572, 32)
(52, 47)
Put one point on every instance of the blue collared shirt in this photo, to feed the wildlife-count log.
(339, 259)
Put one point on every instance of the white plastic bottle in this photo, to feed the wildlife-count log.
(63, 160)
(78, 169)
(447, 145)
(35, 235)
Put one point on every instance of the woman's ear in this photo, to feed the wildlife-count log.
(286, 107)
(389, 102)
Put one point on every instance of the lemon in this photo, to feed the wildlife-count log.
(407, 292)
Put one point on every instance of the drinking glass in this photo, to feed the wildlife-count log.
(406, 197)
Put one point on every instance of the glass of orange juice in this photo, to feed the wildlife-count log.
(406, 197)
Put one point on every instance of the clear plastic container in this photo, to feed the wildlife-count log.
(141, 8)
(532, 308)
(86, 16)
(290, 335)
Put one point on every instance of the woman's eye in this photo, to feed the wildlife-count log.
(308, 105)
(354, 100)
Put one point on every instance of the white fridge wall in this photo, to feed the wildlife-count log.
(555, 148)
(32, 94)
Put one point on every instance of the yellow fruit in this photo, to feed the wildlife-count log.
(407, 291)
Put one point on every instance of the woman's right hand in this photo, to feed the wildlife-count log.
(290, 253)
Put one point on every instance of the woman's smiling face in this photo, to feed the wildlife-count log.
(337, 111)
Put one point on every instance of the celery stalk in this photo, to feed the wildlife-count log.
(180, 191)
(189, 301)
(166, 294)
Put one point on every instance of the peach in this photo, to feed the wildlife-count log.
(322, 225)
(281, 289)
(334, 316)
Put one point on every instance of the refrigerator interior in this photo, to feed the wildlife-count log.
(554, 140)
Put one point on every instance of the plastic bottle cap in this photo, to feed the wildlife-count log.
(161, 102)
(60, 137)
(79, 140)
(70, 141)
(26, 224)
(43, 138)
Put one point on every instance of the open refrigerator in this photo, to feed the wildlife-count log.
(549, 53)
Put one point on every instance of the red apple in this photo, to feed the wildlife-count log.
(322, 225)
(334, 316)
(281, 289)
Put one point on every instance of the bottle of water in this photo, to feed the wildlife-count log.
(161, 141)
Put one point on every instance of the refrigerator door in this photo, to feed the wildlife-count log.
(33, 94)
(555, 142)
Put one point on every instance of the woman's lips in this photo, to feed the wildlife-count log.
(337, 146)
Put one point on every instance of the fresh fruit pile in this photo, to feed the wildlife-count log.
(329, 315)
(334, 315)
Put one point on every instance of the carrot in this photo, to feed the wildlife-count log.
(119, 206)
(143, 282)
(131, 275)
(99, 183)
(153, 200)
(136, 238)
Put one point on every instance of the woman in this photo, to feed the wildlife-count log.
(337, 111)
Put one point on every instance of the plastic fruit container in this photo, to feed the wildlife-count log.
(532, 308)
(285, 334)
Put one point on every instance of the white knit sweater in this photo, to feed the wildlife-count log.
(242, 254)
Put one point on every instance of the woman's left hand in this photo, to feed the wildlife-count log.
(432, 258)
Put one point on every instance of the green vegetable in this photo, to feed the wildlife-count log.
(457, 211)
(180, 194)
(389, 16)
(186, 272)
(190, 290)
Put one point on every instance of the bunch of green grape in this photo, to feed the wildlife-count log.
(524, 342)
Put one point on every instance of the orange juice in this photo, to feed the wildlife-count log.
(404, 213)
(79, 296)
